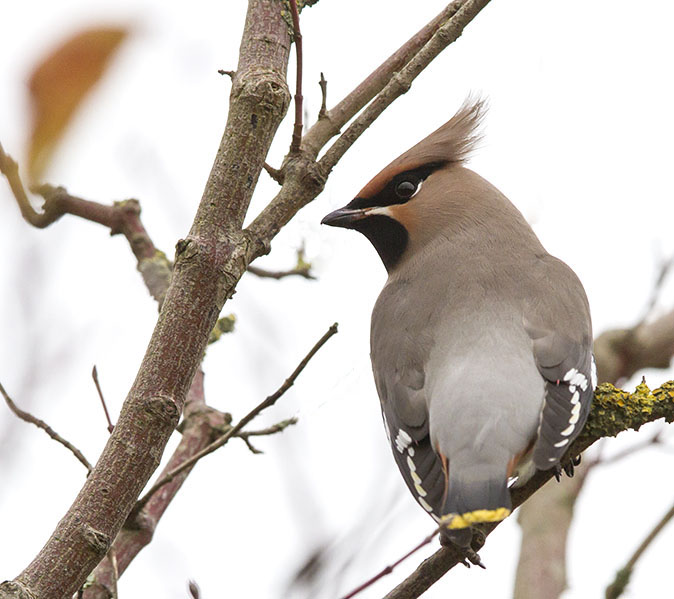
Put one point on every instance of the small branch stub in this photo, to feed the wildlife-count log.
(324, 97)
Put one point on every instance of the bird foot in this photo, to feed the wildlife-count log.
(471, 557)
(567, 468)
(467, 555)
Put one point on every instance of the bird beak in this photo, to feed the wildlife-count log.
(344, 217)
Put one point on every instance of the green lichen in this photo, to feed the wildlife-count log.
(224, 325)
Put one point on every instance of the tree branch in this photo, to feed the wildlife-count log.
(199, 428)
(304, 178)
(620, 353)
(401, 82)
(270, 430)
(334, 119)
(211, 259)
(26, 417)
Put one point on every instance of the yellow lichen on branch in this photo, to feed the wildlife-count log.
(615, 410)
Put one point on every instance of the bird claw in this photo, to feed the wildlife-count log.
(471, 557)
(568, 468)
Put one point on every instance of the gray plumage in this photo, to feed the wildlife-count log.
(480, 340)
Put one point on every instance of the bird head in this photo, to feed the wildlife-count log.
(409, 201)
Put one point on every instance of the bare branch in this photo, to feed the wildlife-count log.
(620, 353)
(25, 416)
(334, 119)
(211, 260)
(198, 428)
(10, 169)
(401, 82)
(297, 37)
(94, 375)
(304, 178)
(622, 577)
(270, 430)
(222, 440)
(302, 271)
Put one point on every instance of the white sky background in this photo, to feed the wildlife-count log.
(578, 136)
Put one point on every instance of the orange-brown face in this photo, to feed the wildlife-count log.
(380, 211)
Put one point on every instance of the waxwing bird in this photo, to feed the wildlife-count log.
(481, 341)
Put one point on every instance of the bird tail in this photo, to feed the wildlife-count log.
(475, 495)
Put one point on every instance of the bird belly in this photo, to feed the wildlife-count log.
(484, 404)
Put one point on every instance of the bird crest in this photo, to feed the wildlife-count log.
(452, 142)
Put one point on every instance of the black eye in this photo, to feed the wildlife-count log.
(406, 189)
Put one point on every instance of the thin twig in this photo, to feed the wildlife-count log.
(302, 271)
(229, 74)
(194, 589)
(46, 428)
(324, 97)
(335, 118)
(388, 569)
(219, 442)
(10, 169)
(270, 430)
(297, 35)
(94, 375)
(622, 577)
(402, 81)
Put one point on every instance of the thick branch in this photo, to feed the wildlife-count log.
(613, 411)
(621, 353)
(198, 430)
(211, 260)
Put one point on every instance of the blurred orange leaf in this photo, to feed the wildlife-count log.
(60, 83)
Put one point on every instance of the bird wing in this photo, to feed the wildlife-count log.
(560, 330)
(406, 421)
(399, 349)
